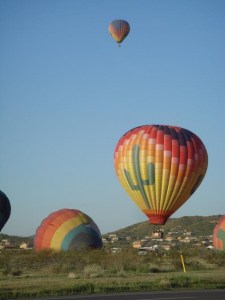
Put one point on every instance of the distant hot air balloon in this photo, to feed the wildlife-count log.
(5, 209)
(67, 229)
(160, 167)
(119, 29)
(219, 235)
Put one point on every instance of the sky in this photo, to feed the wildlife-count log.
(68, 93)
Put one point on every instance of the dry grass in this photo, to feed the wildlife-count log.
(29, 274)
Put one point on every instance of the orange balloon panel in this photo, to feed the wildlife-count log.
(160, 167)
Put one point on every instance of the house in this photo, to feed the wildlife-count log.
(25, 246)
(168, 238)
(166, 247)
(137, 244)
(185, 240)
(115, 250)
(157, 234)
(187, 233)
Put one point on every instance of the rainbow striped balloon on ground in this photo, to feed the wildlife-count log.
(219, 235)
(67, 229)
(160, 167)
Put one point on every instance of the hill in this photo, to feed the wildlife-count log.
(198, 225)
(16, 240)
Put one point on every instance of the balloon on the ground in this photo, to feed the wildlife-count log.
(5, 209)
(67, 229)
(219, 235)
(160, 167)
(119, 30)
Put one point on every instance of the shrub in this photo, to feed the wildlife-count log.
(16, 273)
(195, 265)
(154, 269)
(73, 275)
(180, 282)
(93, 270)
(5, 272)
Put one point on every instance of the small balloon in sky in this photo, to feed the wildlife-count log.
(67, 229)
(119, 30)
(5, 209)
(160, 167)
(219, 235)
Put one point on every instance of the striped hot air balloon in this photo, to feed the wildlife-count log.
(160, 167)
(119, 30)
(67, 229)
(219, 235)
(5, 209)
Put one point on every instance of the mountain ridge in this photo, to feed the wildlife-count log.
(197, 225)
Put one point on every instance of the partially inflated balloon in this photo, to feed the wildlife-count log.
(67, 229)
(119, 29)
(5, 209)
(219, 235)
(160, 167)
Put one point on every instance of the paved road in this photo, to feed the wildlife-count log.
(188, 295)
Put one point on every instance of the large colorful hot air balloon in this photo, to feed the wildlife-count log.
(219, 235)
(5, 209)
(67, 229)
(119, 29)
(160, 167)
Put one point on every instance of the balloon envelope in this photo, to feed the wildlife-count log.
(219, 235)
(67, 229)
(160, 167)
(5, 209)
(119, 29)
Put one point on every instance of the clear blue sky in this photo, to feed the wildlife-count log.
(68, 93)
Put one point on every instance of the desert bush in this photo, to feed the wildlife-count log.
(154, 269)
(73, 275)
(93, 270)
(195, 264)
(16, 272)
(5, 272)
(143, 268)
(216, 257)
(180, 282)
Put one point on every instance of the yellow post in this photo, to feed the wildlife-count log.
(182, 261)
